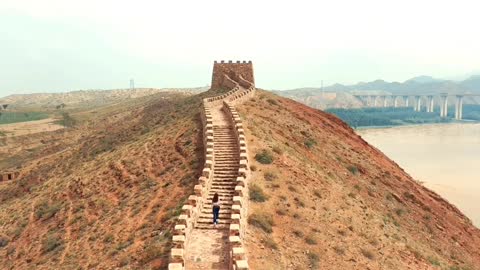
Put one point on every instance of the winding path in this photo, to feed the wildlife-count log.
(208, 245)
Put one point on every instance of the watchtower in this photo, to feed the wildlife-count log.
(232, 70)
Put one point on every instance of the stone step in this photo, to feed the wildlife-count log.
(209, 211)
(208, 203)
(205, 226)
(233, 163)
(224, 180)
(209, 214)
(229, 169)
(222, 194)
(210, 221)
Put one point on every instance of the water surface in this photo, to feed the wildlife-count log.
(446, 157)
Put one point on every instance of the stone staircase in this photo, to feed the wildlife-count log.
(225, 172)
(196, 242)
(209, 244)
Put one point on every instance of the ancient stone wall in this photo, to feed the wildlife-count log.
(232, 70)
(242, 88)
(239, 223)
(191, 210)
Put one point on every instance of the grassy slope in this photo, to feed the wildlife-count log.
(338, 203)
(105, 194)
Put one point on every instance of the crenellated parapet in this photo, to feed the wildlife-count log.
(190, 211)
(239, 214)
(233, 70)
(242, 88)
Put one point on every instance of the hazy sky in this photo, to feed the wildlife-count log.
(67, 45)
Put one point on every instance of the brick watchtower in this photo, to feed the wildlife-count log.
(232, 70)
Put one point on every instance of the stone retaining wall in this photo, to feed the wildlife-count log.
(191, 209)
(238, 260)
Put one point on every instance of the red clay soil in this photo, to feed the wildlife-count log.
(338, 203)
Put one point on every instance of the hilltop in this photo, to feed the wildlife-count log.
(107, 192)
(331, 200)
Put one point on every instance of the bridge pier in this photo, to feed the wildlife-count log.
(459, 107)
(395, 101)
(406, 100)
(375, 101)
(443, 105)
(429, 103)
(418, 104)
(384, 101)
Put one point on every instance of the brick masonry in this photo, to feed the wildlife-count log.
(233, 70)
(188, 240)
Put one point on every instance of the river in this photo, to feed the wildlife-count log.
(446, 157)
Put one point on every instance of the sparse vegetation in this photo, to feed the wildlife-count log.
(367, 253)
(339, 250)
(433, 261)
(52, 242)
(270, 176)
(353, 169)
(310, 240)
(45, 210)
(256, 193)
(272, 101)
(270, 243)
(314, 259)
(264, 157)
(310, 143)
(3, 241)
(263, 221)
(298, 233)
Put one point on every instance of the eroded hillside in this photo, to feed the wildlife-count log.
(329, 200)
(104, 194)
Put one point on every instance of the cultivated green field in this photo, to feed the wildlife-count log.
(15, 117)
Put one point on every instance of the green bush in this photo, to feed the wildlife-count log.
(264, 157)
(263, 221)
(51, 243)
(353, 169)
(46, 211)
(256, 194)
(272, 101)
(3, 241)
(314, 259)
(310, 240)
(310, 143)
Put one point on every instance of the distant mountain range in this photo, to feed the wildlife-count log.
(340, 95)
(416, 85)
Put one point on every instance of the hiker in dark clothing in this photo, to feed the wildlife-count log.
(216, 208)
